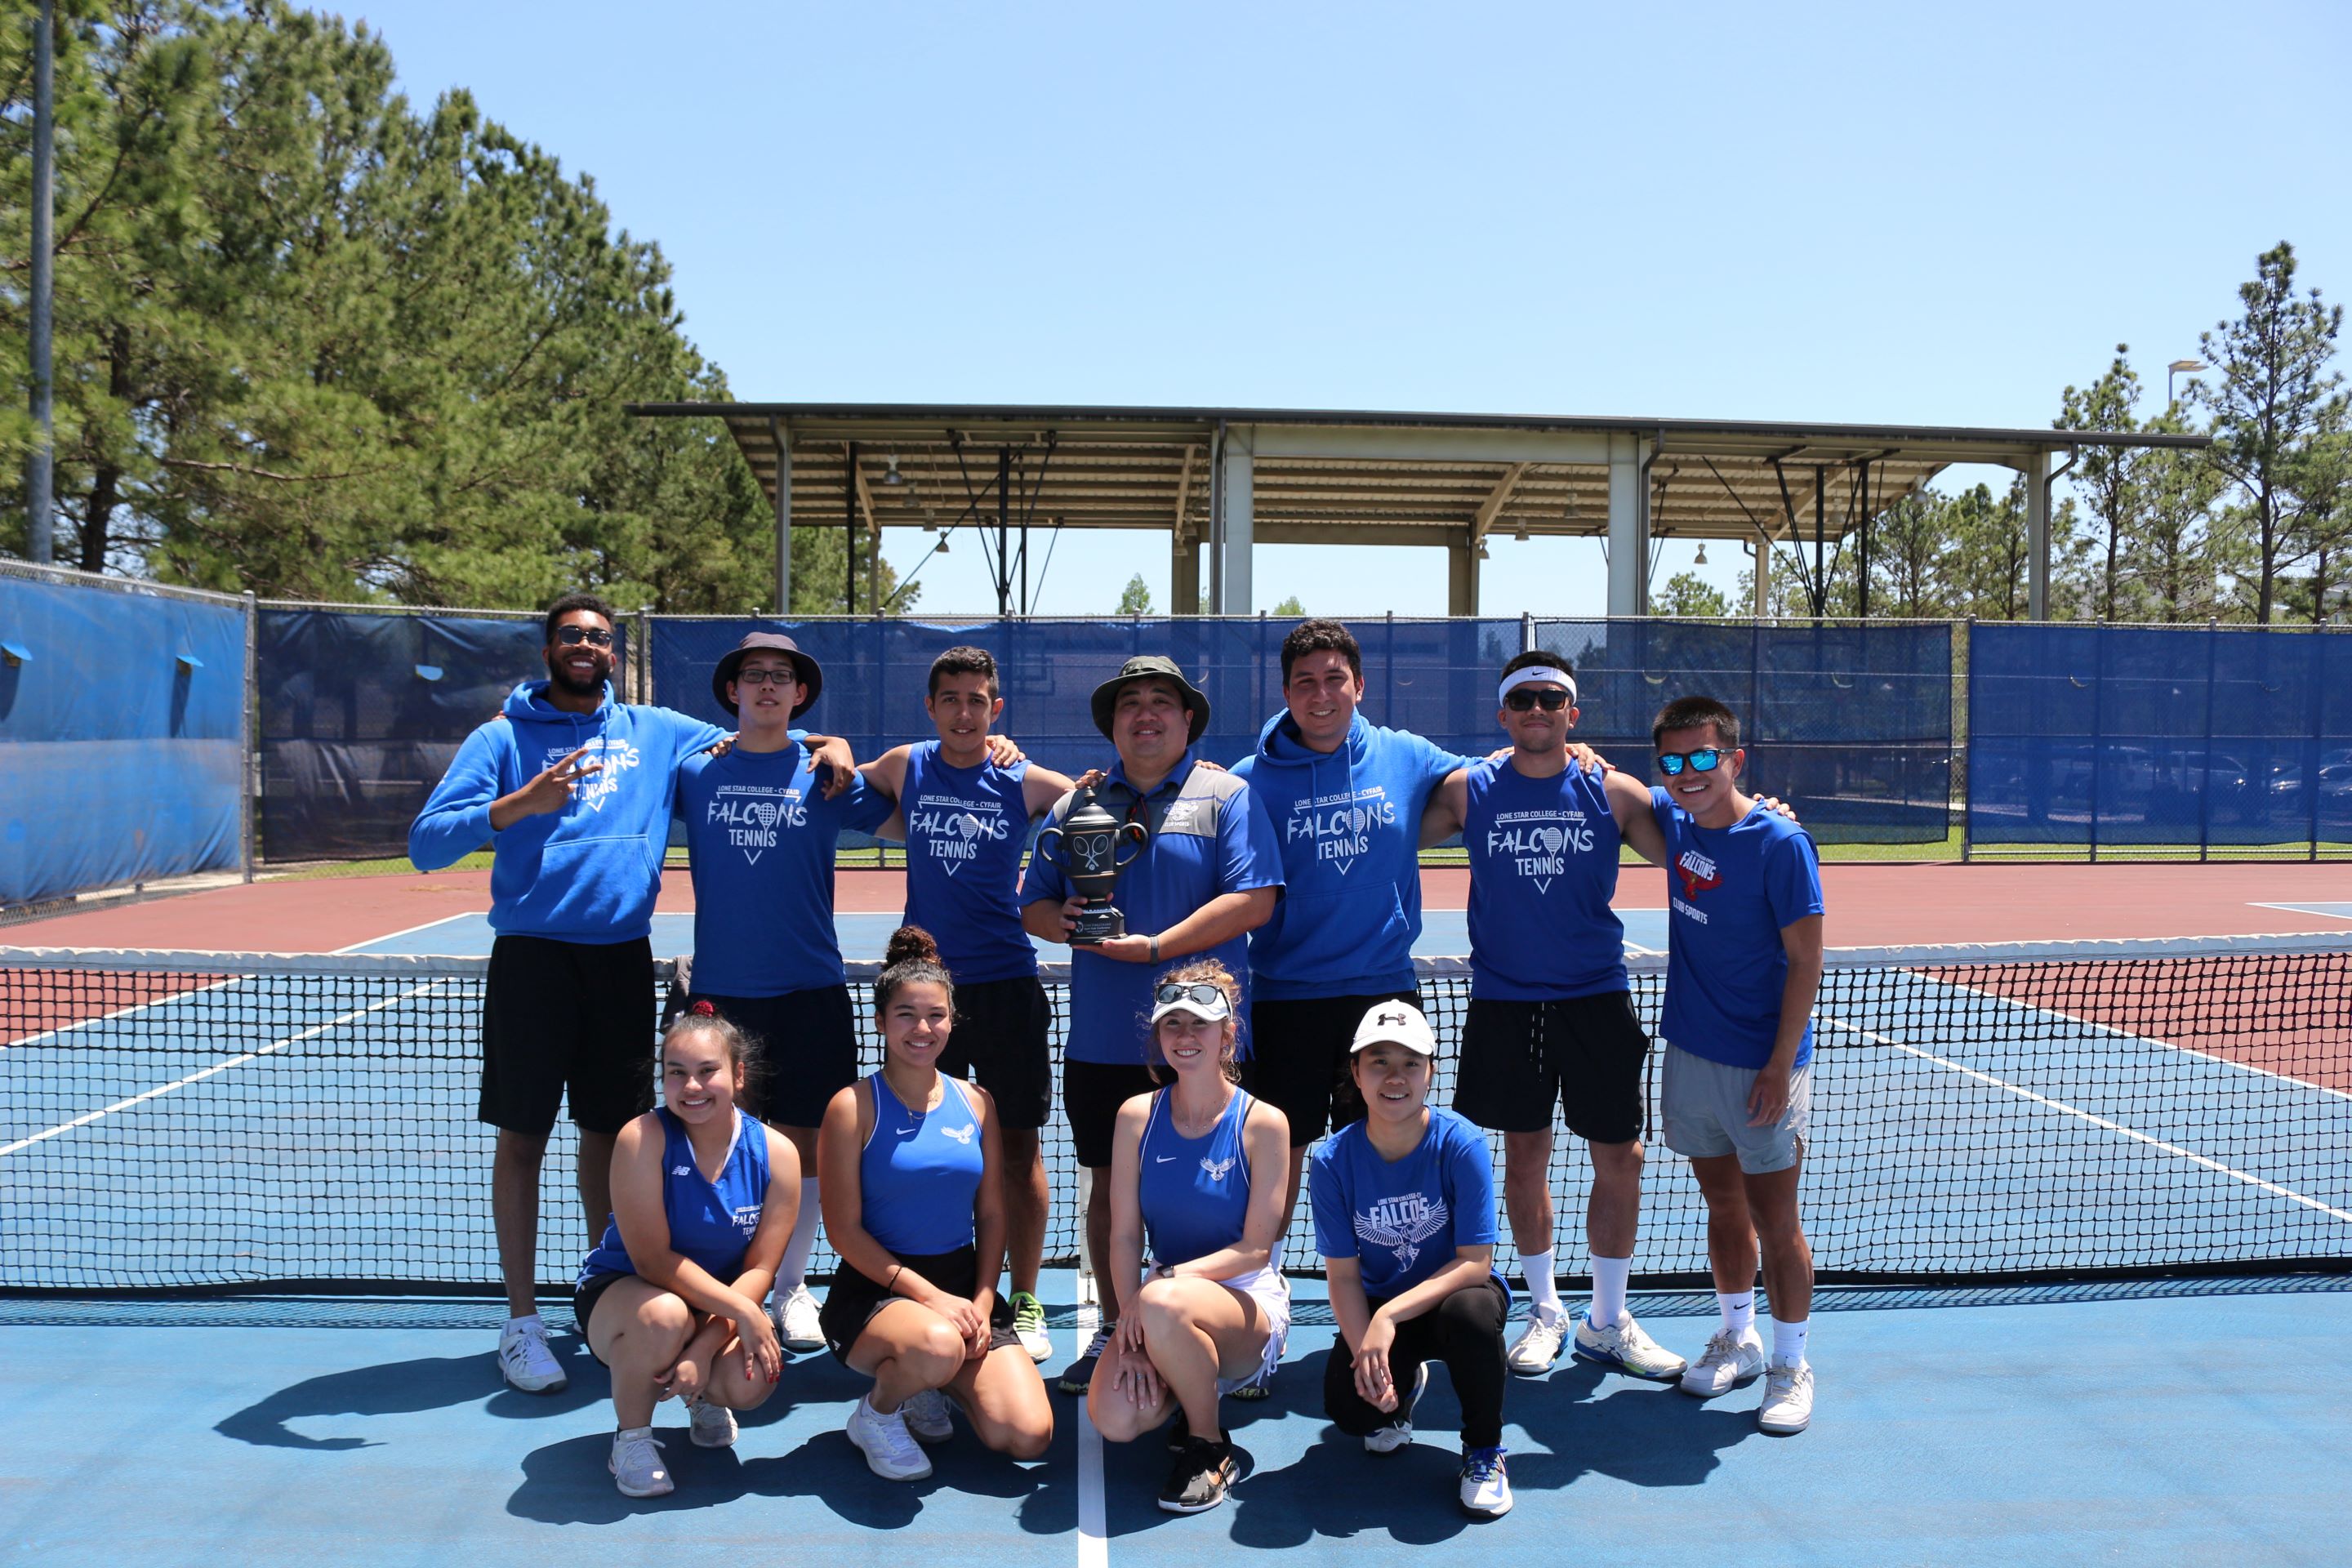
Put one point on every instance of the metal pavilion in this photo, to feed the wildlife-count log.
(1220, 481)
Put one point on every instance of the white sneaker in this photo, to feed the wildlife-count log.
(710, 1425)
(1729, 1361)
(796, 1321)
(1788, 1405)
(1626, 1349)
(1485, 1486)
(636, 1467)
(1397, 1433)
(525, 1361)
(1029, 1326)
(1539, 1347)
(927, 1416)
(890, 1450)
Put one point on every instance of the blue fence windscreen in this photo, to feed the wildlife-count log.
(2181, 736)
(1851, 725)
(121, 737)
(362, 712)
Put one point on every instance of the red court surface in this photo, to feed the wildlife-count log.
(1870, 905)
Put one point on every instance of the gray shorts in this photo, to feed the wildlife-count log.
(1703, 1106)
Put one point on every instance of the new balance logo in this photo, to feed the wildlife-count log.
(681, 1169)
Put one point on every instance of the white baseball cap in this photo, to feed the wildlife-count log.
(1395, 1024)
(1203, 1000)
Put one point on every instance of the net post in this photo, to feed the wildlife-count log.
(1967, 758)
(1527, 631)
(249, 738)
(2205, 783)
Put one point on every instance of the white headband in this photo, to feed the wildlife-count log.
(1534, 673)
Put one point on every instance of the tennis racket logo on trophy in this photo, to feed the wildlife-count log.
(1089, 837)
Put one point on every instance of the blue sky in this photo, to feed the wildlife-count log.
(1876, 213)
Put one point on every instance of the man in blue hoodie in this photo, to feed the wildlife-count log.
(572, 790)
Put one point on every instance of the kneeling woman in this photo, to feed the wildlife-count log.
(908, 1173)
(1198, 1170)
(1405, 1214)
(703, 1199)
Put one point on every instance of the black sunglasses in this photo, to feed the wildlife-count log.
(594, 637)
(1526, 697)
(1207, 995)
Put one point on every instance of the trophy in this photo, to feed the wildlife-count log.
(1090, 838)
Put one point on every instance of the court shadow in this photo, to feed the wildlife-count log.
(1583, 1421)
(407, 1387)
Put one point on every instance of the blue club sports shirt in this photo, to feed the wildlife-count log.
(966, 831)
(1403, 1221)
(1543, 865)
(1730, 891)
(1211, 837)
(759, 833)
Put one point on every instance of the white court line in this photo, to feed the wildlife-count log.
(2323, 908)
(2023, 1093)
(361, 947)
(1093, 1550)
(2139, 1039)
(124, 1012)
(219, 1066)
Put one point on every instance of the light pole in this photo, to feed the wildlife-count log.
(40, 481)
(2179, 367)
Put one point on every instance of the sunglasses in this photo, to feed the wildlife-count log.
(767, 677)
(1200, 992)
(1703, 760)
(1526, 697)
(594, 637)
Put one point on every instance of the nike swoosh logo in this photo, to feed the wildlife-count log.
(1163, 1159)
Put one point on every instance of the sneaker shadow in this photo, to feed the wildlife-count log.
(407, 1387)
(1585, 1421)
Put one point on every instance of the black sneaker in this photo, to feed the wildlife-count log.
(1197, 1480)
(1080, 1373)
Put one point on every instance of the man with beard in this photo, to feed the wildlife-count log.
(572, 790)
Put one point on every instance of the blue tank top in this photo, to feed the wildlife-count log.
(710, 1221)
(966, 830)
(1193, 1191)
(1543, 865)
(919, 1172)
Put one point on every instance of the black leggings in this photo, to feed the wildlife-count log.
(1466, 1333)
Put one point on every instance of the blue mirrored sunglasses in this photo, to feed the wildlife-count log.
(1704, 759)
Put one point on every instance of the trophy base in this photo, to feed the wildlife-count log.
(1099, 924)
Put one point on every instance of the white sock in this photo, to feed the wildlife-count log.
(1543, 1291)
(793, 1273)
(1610, 1277)
(1788, 1342)
(1738, 1311)
(528, 1320)
(625, 1431)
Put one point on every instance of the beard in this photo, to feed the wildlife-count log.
(568, 682)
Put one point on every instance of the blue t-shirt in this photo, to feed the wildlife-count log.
(1348, 821)
(1730, 891)
(966, 829)
(1543, 864)
(759, 834)
(1404, 1220)
(1209, 837)
(710, 1222)
(919, 1170)
(1193, 1193)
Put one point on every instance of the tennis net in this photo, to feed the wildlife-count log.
(184, 1121)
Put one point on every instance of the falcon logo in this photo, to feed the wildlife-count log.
(1402, 1223)
(1698, 873)
(961, 1135)
(1216, 1168)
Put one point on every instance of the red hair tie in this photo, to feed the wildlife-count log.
(703, 1010)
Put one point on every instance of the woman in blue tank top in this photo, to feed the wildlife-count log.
(907, 1173)
(703, 1198)
(1198, 1171)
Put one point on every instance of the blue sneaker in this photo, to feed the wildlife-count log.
(1485, 1486)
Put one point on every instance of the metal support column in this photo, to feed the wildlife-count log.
(1184, 577)
(1003, 530)
(1462, 578)
(40, 470)
(1629, 544)
(1763, 604)
(849, 530)
(783, 600)
(1239, 495)
(2037, 537)
(249, 739)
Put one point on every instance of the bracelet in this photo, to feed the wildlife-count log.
(890, 1286)
(1155, 950)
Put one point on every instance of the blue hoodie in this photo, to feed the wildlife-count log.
(587, 873)
(1349, 825)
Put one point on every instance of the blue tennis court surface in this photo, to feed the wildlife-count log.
(2332, 911)
(865, 934)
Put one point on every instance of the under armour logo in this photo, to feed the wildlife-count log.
(1386, 1017)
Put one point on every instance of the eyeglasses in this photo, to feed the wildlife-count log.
(1704, 761)
(594, 637)
(1207, 995)
(1526, 697)
(768, 676)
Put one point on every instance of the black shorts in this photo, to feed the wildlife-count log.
(807, 1042)
(584, 1298)
(567, 1018)
(1092, 1093)
(1002, 1027)
(1299, 1059)
(853, 1299)
(1585, 1055)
